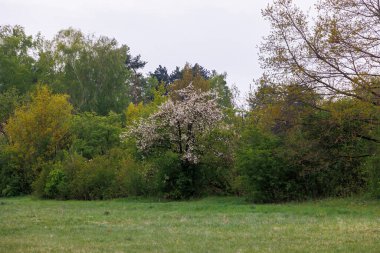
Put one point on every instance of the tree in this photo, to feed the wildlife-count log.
(189, 76)
(176, 132)
(219, 84)
(135, 63)
(40, 129)
(139, 86)
(265, 175)
(278, 108)
(95, 135)
(337, 55)
(180, 123)
(142, 88)
(175, 75)
(9, 100)
(320, 145)
(16, 61)
(161, 74)
(92, 70)
(202, 71)
(135, 112)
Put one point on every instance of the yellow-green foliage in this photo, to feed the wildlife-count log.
(135, 112)
(353, 110)
(40, 128)
(188, 76)
(274, 107)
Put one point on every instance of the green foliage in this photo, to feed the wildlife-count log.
(142, 88)
(174, 183)
(56, 184)
(266, 175)
(109, 176)
(95, 135)
(295, 143)
(217, 162)
(189, 76)
(320, 146)
(9, 100)
(15, 178)
(332, 149)
(166, 170)
(373, 166)
(94, 180)
(219, 84)
(37, 132)
(174, 178)
(90, 69)
(16, 63)
(136, 112)
(112, 175)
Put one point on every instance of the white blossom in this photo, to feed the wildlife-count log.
(181, 122)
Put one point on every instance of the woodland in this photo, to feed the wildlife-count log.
(80, 120)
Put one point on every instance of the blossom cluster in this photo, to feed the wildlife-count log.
(180, 121)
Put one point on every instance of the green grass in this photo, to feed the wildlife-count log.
(207, 225)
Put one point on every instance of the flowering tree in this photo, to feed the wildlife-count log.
(180, 122)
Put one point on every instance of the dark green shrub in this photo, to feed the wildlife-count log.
(335, 153)
(172, 180)
(322, 157)
(217, 162)
(266, 175)
(15, 179)
(372, 166)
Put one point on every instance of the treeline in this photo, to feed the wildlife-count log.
(80, 121)
(66, 104)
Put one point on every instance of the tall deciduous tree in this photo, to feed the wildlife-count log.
(219, 84)
(94, 71)
(338, 54)
(16, 61)
(40, 129)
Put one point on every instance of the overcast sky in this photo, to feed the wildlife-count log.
(218, 34)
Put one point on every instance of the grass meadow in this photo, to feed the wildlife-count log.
(216, 224)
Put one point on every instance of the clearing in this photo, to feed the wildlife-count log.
(215, 224)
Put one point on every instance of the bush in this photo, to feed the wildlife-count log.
(266, 175)
(112, 175)
(173, 178)
(94, 180)
(372, 165)
(171, 181)
(217, 162)
(95, 135)
(14, 178)
(56, 184)
(300, 165)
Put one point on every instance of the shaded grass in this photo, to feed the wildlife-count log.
(206, 225)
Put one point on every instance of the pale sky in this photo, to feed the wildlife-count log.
(218, 34)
